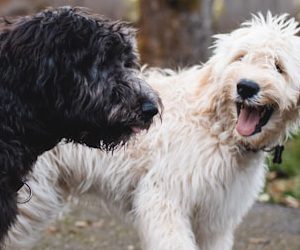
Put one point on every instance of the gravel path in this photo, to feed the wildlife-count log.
(267, 227)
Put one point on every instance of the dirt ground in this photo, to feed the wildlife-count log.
(267, 227)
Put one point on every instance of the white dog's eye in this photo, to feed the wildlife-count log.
(239, 57)
(279, 68)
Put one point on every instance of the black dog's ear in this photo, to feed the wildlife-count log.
(49, 76)
(46, 65)
(110, 47)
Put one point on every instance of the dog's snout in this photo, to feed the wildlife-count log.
(149, 110)
(247, 88)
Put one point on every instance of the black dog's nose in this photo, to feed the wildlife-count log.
(149, 110)
(247, 88)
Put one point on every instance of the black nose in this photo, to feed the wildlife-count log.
(247, 88)
(149, 110)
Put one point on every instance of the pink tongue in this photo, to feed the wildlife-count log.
(247, 121)
(136, 130)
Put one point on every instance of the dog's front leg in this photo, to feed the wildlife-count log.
(12, 168)
(8, 209)
(223, 241)
(211, 240)
(161, 220)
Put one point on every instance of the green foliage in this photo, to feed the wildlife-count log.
(296, 191)
(289, 170)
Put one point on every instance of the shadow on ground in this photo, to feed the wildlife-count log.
(267, 227)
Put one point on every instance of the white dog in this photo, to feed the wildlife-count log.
(189, 181)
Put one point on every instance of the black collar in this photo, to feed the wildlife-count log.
(278, 150)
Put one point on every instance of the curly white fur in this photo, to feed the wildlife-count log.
(189, 181)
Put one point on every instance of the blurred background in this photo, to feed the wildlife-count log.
(171, 33)
(177, 33)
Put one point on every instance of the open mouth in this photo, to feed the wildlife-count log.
(136, 129)
(251, 119)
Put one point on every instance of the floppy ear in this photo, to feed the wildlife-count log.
(206, 91)
(206, 76)
(208, 71)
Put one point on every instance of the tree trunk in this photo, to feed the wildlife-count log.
(175, 32)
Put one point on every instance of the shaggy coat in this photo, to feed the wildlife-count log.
(189, 181)
(65, 74)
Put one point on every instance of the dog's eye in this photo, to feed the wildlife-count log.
(131, 65)
(128, 65)
(279, 68)
(239, 57)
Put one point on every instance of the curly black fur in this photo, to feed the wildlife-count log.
(65, 74)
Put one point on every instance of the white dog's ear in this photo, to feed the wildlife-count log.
(207, 78)
(210, 69)
(207, 75)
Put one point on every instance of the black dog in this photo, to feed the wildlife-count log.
(65, 74)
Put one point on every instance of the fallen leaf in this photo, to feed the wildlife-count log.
(264, 197)
(52, 230)
(291, 202)
(82, 224)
